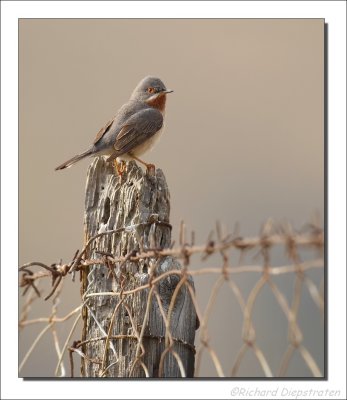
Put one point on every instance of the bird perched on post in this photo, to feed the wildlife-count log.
(134, 130)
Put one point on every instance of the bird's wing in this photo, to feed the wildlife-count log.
(136, 130)
(103, 130)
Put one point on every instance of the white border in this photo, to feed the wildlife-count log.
(334, 12)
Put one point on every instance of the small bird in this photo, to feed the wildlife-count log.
(134, 130)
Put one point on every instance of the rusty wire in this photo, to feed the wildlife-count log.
(312, 236)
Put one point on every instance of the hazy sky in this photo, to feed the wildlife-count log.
(244, 137)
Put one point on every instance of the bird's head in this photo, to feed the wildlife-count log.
(151, 90)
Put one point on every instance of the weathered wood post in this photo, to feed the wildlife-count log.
(126, 333)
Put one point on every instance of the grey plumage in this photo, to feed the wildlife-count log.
(74, 160)
(136, 122)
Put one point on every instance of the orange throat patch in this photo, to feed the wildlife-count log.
(158, 102)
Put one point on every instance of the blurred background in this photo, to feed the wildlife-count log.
(244, 141)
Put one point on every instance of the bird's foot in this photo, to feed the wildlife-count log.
(119, 168)
(150, 169)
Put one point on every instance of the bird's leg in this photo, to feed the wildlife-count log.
(119, 167)
(150, 167)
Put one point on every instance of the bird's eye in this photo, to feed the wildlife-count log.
(150, 90)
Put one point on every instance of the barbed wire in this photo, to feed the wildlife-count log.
(271, 235)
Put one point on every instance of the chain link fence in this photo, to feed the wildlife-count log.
(236, 273)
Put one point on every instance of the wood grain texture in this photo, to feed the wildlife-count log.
(137, 203)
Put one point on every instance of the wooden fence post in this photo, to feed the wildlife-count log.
(126, 334)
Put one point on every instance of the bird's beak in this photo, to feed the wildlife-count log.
(167, 91)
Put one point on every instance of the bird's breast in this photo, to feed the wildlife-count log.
(158, 103)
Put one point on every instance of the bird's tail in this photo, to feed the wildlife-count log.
(74, 160)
